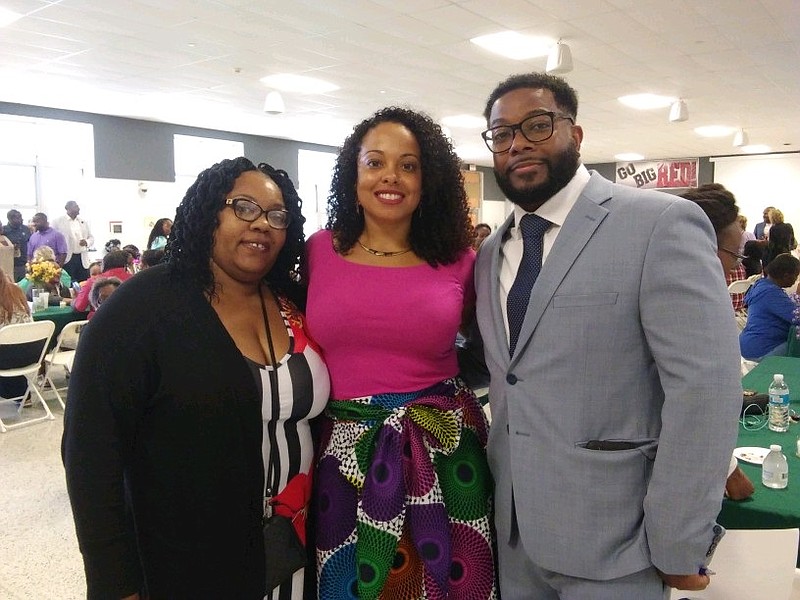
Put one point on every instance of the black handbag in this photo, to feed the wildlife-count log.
(284, 553)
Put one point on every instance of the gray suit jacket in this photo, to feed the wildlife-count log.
(629, 336)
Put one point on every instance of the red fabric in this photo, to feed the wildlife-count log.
(293, 501)
(736, 274)
(81, 302)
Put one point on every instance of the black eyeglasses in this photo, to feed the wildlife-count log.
(739, 257)
(536, 128)
(249, 211)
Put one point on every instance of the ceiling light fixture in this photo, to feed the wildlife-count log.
(514, 45)
(629, 156)
(678, 111)
(273, 104)
(559, 60)
(8, 16)
(740, 138)
(464, 121)
(714, 130)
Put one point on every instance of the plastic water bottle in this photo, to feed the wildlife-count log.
(775, 469)
(778, 404)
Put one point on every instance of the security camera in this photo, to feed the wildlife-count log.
(142, 187)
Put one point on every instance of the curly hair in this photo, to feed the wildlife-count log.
(116, 259)
(197, 218)
(566, 98)
(717, 202)
(440, 227)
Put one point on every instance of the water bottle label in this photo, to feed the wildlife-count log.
(782, 399)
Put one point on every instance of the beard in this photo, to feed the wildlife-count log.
(560, 170)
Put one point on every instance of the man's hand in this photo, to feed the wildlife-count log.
(82, 243)
(738, 486)
(686, 582)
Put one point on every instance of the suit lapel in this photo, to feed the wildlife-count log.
(497, 310)
(579, 227)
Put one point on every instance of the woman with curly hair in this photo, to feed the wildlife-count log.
(190, 399)
(403, 492)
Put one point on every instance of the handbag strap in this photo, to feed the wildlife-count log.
(270, 484)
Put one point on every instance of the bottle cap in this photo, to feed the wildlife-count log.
(775, 447)
(778, 377)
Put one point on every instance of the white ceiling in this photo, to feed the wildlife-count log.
(198, 62)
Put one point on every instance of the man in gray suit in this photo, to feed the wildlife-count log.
(615, 402)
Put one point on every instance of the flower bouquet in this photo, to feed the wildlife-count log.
(44, 274)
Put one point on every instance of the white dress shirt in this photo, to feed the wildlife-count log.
(554, 210)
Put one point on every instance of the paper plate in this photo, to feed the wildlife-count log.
(751, 454)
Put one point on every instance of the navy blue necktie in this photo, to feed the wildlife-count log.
(533, 228)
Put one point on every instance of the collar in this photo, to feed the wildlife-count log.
(558, 206)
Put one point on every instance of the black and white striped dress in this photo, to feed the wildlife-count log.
(303, 387)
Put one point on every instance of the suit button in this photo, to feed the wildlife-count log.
(511, 378)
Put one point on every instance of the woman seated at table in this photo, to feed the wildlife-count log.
(102, 288)
(770, 311)
(115, 264)
(45, 273)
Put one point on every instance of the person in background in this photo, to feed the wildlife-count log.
(187, 380)
(753, 255)
(761, 229)
(134, 256)
(47, 236)
(58, 287)
(115, 264)
(6, 254)
(159, 234)
(719, 204)
(481, 231)
(151, 258)
(102, 288)
(79, 240)
(112, 244)
(403, 488)
(775, 217)
(611, 490)
(747, 236)
(19, 234)
(13, 309)
(770, 310)
(95, 268)
(781, 241)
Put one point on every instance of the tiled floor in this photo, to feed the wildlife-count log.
(40, 557)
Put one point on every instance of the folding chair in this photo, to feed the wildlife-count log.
(22, 348)
(62, 355)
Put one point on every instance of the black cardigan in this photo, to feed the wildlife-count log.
(162, 448)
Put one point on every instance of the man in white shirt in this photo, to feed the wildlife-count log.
(79, 240)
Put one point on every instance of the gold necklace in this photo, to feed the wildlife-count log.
(381, 253)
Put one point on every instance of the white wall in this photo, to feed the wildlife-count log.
(759, 181)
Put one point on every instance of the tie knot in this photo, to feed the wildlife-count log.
(533, 226)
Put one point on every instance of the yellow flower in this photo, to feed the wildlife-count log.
(44, 272)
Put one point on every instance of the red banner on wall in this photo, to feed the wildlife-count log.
(654, 174)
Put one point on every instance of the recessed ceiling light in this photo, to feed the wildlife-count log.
(514, 45)
(628, 156)
(646, 101)
(288, 82)
(464, 121)
(756, 149)
(714, 130)
(8, 16)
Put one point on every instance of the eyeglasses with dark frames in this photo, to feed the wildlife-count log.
(536, 128)
(250, 211)
(739, 257)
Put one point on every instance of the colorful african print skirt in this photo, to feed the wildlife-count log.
(404, 496)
